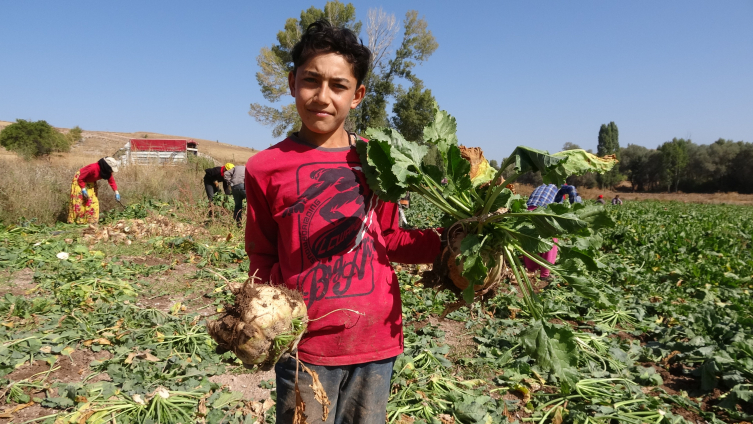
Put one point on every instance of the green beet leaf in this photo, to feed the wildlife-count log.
(442, 132)
(554, 350)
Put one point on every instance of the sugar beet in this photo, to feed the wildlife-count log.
(265, 322)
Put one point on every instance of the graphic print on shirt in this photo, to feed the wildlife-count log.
(334, 213)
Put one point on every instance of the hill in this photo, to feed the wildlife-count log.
(96, 144)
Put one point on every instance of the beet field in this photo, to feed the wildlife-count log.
(107, 325)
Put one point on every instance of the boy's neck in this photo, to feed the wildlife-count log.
(335, 139)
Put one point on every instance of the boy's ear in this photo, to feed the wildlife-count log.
(358, 98)
(291, 83)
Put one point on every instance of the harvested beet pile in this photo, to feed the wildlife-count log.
(264, 323)
(127, 230)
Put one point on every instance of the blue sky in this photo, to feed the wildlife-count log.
(538, 73)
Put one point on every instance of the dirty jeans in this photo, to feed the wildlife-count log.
(357, 393)
(239, 194)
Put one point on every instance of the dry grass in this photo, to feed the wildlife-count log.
(40, 189)
(732, 198)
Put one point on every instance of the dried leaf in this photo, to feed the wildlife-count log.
(138, 399)
(85, 416)
(299, 415)
(506, 412)
(203, 407)
(557, 419)
(319, 393)
(404, 419)
(8, 413)
(446, 419)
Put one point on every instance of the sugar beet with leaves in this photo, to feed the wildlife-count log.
(492, 226)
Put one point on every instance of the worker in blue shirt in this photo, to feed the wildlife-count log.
(542, 196)
(568, 190)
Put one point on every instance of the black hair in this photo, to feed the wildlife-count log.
(105, 171)
(322, 37)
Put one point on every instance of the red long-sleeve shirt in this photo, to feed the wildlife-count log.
(315, 226)
(90, 174)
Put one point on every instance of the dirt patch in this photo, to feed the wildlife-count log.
(67, 369)
(145, 260)
(623, 336)
(29, 413)
(175, 286)
(517, 400)
(688, 415)
(455, 335)
(19, 282)
(674, 384)
(248, 384)
(558, 321)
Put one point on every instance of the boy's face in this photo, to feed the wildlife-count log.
(325, 91)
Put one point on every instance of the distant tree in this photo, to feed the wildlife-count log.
(531, 178)
(413, 110)
(609, 144)
(570, 146)
(632, 164)
(33, 139)
(674, 161)
(494, 164)
(417, 45)
(742, 171)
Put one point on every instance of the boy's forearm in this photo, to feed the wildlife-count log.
(407, 246)
(413, 246)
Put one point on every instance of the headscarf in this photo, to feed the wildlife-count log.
(105, 170)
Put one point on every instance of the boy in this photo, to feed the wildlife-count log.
(315, 226)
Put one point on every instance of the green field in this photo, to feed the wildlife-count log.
(115, 331)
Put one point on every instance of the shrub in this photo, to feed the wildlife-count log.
(74, 135)
(33, 139)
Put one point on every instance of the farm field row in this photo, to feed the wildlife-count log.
(116, 331)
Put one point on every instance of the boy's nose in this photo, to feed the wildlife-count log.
(323, 95)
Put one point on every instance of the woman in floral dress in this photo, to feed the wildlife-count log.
(84, 205)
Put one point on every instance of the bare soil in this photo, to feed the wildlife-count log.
(17, 283)
(456, 336)
(71, 369)
(248, 384)
(67, 370)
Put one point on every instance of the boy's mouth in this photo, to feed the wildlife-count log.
(320, 113)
